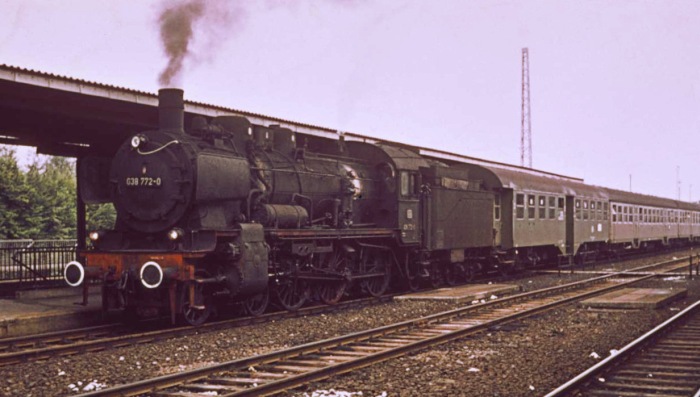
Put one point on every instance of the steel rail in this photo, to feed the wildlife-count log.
(62, 343)
(37, 340)
(299, 365)
(43, 346)
(625, 353)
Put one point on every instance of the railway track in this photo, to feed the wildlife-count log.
(663, 362)
(77, 341)
(300, 365)
(83, 340)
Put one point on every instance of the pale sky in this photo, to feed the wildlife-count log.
(613, 83)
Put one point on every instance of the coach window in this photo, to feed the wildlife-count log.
(595, 207)
(614, 213)
(531, 206)
(552, 206)
(585, 210)
(578, 209)
(605, 210)
(497, 207)
(542, 207)
(520, 206)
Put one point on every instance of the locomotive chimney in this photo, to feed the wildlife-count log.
(171, 109)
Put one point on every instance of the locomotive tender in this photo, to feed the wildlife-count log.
(230, 212)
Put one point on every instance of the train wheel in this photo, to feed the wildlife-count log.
(451, 274)
(414, 283)
(257, 304)
(331, 292)
(505, 269)
(437, 275)
(292, 293)
(198, 313)
(469, 272)
(130, 316)
(376, 262)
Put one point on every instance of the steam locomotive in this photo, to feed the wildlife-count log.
(233, 213)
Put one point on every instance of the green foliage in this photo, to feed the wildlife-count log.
(40, 203)
(100, 216)
(54, 197)
(16, 217)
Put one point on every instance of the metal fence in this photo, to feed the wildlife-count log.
(34, 261)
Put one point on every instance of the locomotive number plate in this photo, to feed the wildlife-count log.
(143, 181)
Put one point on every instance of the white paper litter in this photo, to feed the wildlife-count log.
(94, 385)
(337, 393)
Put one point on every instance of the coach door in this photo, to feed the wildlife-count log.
(570, 248)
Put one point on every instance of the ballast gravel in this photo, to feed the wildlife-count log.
(527, 358)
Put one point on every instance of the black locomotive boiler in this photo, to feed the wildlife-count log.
(227, 212)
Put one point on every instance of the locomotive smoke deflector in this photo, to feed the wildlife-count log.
(171, 109)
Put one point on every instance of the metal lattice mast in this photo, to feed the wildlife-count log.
(525, 125)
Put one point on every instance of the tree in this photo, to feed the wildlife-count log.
(40, 203)
(17, 220)
(100, 216)
(54, 197)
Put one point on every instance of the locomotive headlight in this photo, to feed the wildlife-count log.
(175, 234)
(137, 140)
(94, 236)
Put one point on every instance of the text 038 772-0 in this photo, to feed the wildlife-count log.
(143, 181)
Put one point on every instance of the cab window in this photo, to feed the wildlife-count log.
(404, 183)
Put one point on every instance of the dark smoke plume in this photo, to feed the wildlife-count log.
(211, 21)
(176, 30)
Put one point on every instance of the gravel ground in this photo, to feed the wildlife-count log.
(501, 362)
(528, 358)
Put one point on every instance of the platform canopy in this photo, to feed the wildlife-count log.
(71, 117)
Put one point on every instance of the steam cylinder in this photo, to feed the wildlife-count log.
(279, 215)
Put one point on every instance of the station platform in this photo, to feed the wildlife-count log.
(48, 310)
(463, 293)
(635, 298)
